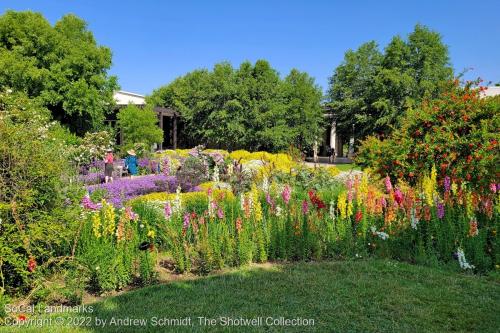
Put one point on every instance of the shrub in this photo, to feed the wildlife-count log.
(457, 133)
(36, 203)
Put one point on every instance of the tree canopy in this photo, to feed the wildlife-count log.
(371, 90)
(249, 107)
(139, 126)
(60, 66)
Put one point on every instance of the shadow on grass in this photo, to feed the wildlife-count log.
(350, 296)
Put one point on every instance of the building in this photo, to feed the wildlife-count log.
(491, 91)
(168, 118)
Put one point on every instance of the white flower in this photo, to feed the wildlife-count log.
(279, 211)
(462, 261)
(332, 210)
(265, 184)
(413, 219)
(215, 176)
(382, 235)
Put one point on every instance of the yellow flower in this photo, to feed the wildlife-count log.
(363, 188)
(151, 234)
(342, 205)
(429, 185)
(109, 218)
(96, 224)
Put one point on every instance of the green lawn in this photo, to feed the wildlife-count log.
(349, 296)
(347, 167)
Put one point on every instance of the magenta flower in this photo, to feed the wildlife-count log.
(168, 210)
(388, 184)
(305, 207)
(447, 184)
(398, 196)
(220, 213)
(286, 194)
(440, 210)
(186, 221)
(88, 204)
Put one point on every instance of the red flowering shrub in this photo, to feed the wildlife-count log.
(458, 133)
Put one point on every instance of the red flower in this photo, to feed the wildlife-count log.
(21, 317)
(31, 264)
(316, 201)
(359, 216)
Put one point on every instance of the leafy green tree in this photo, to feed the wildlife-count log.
(60, 66)
(352, 92)
(249, 107)
(139, 126)
(372, 91)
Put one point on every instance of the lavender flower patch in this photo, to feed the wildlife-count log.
(92, 178)
(147, 166)
(124, 189)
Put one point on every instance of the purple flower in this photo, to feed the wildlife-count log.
(305, 207)
(447, 183)
(440, 210)
(186, 221)
(124, 189)
(92, 178)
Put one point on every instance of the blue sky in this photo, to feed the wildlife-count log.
(153, 42)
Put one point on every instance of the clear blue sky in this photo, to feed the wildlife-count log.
(153, 42)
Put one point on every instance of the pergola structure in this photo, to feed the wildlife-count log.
(167, 117)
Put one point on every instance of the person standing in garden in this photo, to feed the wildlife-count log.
(108, 166)
(131, 162)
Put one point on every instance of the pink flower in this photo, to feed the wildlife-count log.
(220, 213)
(168, 210)
(129, 214)
(388, 184)
(286, 194)
(493, 187)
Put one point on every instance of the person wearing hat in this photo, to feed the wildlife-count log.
(108, 166)
(131, 162)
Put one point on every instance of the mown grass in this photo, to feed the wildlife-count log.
(347, 167)
(348, 296)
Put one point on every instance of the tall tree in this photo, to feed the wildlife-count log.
(249, 107)
(60, 66)
(139, 126)
(373, 96)
(352, 92)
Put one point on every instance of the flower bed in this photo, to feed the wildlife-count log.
(124, 189)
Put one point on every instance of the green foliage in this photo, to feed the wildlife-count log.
(35, 201)
(109, 247)
(372, 91)
(139, 126)
(457, 133)
(61, 66)
(249, 107)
